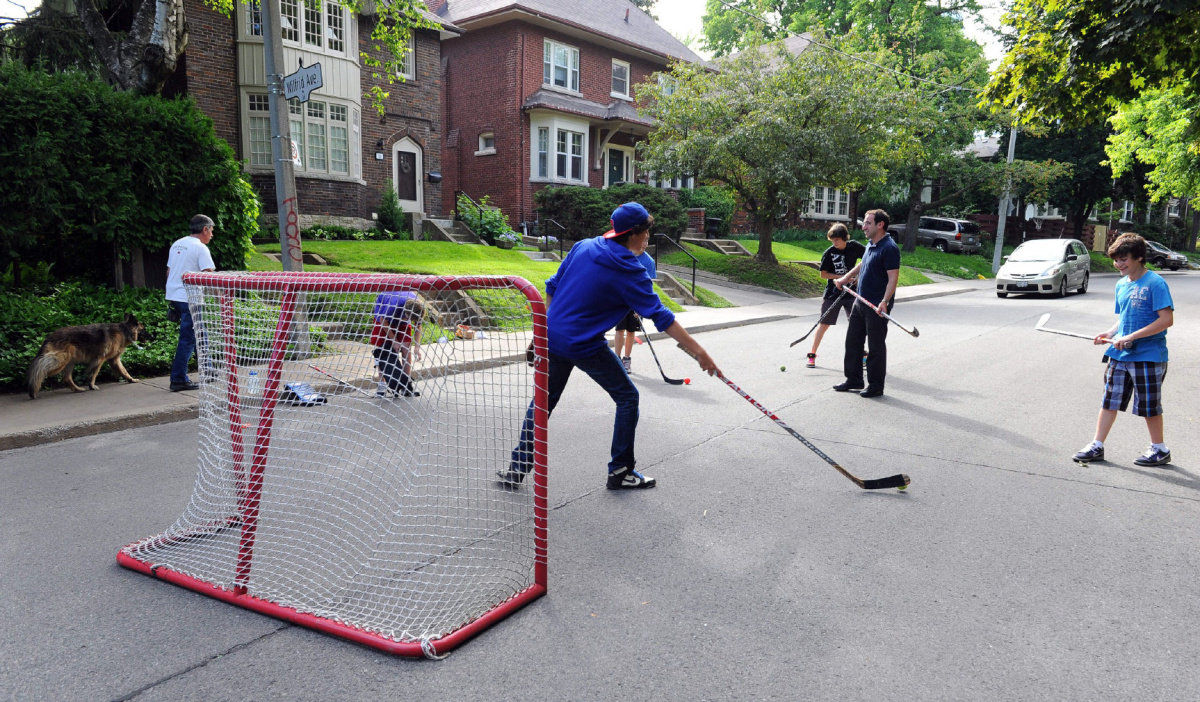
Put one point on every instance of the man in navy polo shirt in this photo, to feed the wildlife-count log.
(877, 274)
(598, 282)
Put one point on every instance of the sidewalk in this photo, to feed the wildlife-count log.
(60, 414)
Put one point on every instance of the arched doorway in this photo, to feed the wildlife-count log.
(407, 167)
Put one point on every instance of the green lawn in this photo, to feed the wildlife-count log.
(812, 250)
(800, 281)
(426, 258)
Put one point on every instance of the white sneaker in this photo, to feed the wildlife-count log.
(627, 362)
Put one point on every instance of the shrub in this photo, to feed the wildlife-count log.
(391, 215)
(487, 221)
(86, 171)
(509, 236)
(586, 212)
(333, 232)
(717, 202)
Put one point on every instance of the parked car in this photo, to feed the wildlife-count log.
(1163, 257)
(943, 234)
(1045, 266)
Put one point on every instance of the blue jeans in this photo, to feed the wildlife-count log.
(186, 345)
(605, 368)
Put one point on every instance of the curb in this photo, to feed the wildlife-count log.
(49, 435)
(939, 293)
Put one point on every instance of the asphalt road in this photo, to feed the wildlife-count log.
(754, 571)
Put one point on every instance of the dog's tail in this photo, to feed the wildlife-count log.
(43, 365)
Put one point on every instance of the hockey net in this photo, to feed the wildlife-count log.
(379, 519)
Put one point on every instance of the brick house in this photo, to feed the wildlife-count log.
(541, 92)
(347, 149)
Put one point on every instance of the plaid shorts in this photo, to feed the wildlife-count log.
(1140, 379)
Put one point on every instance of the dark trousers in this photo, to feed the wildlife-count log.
(866, 329)
(186, 345)
(391, 366)
(605, 368)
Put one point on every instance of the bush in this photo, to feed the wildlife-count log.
(391, 215)
(1170, 235)
(587, 212)
(333, 232)
(717, 202)
(85, 170)
(487, 221)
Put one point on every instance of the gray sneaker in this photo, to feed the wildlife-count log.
(627, 478)
(627, 362)
(1153, 457)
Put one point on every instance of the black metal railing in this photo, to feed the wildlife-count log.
(458, 213)
(659, 237)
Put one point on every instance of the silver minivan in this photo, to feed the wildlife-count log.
(1045, 266)
(944, 234)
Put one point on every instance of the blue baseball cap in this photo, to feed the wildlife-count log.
(626, 218)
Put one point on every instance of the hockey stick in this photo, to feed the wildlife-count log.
(343, 382)
(914, 332)
(1041, 326)
(670, 381)
(899, 481)
(836, 304)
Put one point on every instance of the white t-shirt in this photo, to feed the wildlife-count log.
(188, 255)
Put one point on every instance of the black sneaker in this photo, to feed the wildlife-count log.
(189, 385)
(510, 478)
(1153, 457)
(871, 392)
(847, 387)
(1089, 454)
(628, 478)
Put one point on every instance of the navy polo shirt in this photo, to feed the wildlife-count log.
(873, 271)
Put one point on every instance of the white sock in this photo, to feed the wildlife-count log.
(1160, 447)
(1095, 444)
(383, 388)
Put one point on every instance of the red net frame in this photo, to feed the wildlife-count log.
(214, 299)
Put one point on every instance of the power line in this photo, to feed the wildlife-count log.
(788, 32)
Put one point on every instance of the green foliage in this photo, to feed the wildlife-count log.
(964, 266)
(50, 39)
(487, 221)
(1101, 263)
(1156, 130)
(708, 298)
(26, 318)
(1168, 234)
(717, 201)
(799, 281)
(587, 212)
(83, 167)
(391, 215)
(770, 125)
(1074, 62)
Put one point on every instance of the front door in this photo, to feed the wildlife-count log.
(406, 184)
(407, 169)
(616, 166)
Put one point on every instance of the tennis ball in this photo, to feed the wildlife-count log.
(902, 487)
(782, 368)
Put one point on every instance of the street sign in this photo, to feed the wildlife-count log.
(302, 82)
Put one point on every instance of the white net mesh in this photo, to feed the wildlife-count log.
(383, 513)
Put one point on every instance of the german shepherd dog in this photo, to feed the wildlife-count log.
(92, 344)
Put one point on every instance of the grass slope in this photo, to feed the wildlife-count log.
(800, 281)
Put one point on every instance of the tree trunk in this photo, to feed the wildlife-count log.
(143, 57)
(1195, 231)
(766, 229)
(915, 207)
(1079, 218)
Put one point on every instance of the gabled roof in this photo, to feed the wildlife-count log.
(794, 44)
(603, 18)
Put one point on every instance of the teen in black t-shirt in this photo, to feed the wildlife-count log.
(837, 260)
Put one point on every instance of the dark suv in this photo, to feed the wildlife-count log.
(943, 234)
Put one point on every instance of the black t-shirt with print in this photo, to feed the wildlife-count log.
(840, 263)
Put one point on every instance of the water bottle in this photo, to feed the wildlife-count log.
(252, 386)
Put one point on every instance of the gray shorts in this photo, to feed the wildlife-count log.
(846, 302)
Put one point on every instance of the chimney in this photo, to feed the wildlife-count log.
(627, 15)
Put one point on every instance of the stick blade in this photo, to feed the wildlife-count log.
(1042, 321)
(916, 332)
(895, 481)
(672, 381)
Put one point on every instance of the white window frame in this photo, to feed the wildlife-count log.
(408, 64)
(576, 152)
(1127, 215)
(627, 154)
(667, 85)
(834, 203)
(300, 117)
(1173, 207)
(676, 183)
(332, 26)
(549, 66)
(627, 94)
(484, 148)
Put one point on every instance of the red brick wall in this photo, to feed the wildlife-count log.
(489, 73)
(413, 110)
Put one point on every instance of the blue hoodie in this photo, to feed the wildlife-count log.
(596, 285)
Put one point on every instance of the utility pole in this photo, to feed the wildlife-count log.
(281, 140)
(998, 254)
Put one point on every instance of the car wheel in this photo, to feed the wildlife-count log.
(1160, 262)
(1001, 295)
(1083, 286)
(1062, 287)
(940, 245)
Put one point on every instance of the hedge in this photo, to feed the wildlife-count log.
(83, 166)
(585, 212)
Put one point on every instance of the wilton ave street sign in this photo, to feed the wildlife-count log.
(302, 82)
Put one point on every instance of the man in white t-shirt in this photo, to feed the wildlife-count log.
(188, 255)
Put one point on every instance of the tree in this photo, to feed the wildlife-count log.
(645, 6)
(1155, 130)
(1076, 62)
(771, 125)
(1091, 178)
(139, 42)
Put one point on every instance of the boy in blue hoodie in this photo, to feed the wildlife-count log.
(597, 284)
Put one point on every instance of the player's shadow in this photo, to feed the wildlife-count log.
(958, 422)
(1171, 474)
(942, 392)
